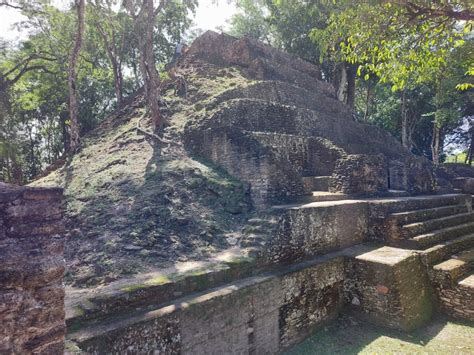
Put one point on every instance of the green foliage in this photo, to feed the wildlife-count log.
(383, 39)
(251, 21)
(34, 108)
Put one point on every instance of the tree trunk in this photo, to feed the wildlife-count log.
(153, 77)
(341, 82)
(111, 50)
(405, 138)
(64, 131)
(118, 81)
(144, 24)
(368, 99)
(351, 86)
(471, 145)
(73, 105)
(435, 143)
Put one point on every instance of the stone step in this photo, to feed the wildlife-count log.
(316, 183)
(398, 193)
(321, 196)
(448, 272)
(413, 229)
(468, 282)
(414, 203)
(259, 313)
(160, 287)
(458, 302)
(408, 217)
(444, 250)
(429, 239)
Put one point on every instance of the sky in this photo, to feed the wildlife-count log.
(210, 15)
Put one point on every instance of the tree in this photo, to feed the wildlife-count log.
(251, 21)
(114, 30)
(404, 43)
(144, 18)
(72, 85)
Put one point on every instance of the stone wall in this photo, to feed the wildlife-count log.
(360, 174)
(314, 230)
(309, 156)
(31, 271)
(457, 301)
(270, 176)
(258, 315)
(390, 287)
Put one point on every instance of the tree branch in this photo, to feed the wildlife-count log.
(12, 6)
(415, 10)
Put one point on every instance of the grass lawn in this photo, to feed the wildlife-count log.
(349, 335)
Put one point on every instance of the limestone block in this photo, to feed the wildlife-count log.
(312, 297)
(360, 174)
(389, 286)
(310, 230)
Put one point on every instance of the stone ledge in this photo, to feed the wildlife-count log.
(10, 193)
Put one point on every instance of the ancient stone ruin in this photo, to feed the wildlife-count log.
(31, 271)
(347, 221)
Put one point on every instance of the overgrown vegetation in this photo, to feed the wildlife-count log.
(35, 108)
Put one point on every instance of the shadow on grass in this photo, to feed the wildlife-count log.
(350, 335)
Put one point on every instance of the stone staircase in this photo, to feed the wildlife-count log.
(454, 284)
(312, 256)
(307, 263)
(443, 234)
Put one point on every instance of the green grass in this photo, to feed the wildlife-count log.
(351, 336)
(458, 158)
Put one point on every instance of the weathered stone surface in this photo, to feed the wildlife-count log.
(287, 94)
(457, 301)
(309, 156)
(285, 112)
(318, 228)
(31, 271)
(311, 298)
(258, 60)
(260, 315)
(152, 333)
(460, 170)
(465, 184)
(360, 175)
(243, 156)
(390, 287)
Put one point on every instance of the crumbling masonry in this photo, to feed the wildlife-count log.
(348, 221)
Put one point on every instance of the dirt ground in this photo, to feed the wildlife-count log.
(350, 336)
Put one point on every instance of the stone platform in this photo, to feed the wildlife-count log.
(269, 302)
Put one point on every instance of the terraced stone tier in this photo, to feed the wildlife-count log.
(423, 223)
(409, 217)
(413, 229)
(415, 204)
(458, 301)
(321, 196)
(307, 230)
(260, 314)
(158, 287)
(448, 272)
(439, 252)
(426, 240)
(307, 260)
(269, 312)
